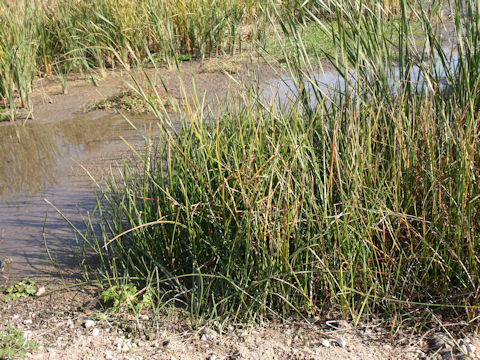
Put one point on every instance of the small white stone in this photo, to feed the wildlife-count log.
(341, 342)
(40, 291)
(204, 337)
(28, 321)
(325, 343)
(95, 332)
(89, 323)
(465, 347)
(108, 356)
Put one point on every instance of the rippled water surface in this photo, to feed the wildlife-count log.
(41, 160)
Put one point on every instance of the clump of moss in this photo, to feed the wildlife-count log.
(222, 66)
(131, 101)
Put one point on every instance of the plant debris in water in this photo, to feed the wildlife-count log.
(129, 101)
(222, 66)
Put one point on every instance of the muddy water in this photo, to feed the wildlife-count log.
(40, 160)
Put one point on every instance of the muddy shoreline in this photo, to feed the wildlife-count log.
(56, 154)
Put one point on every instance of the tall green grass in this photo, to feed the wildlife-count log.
(18, 49)
(41, 37)
(367, 206)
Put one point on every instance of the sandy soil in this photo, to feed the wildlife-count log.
(70, 325)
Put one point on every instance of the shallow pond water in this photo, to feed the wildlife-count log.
(41, 160)
(326, 87)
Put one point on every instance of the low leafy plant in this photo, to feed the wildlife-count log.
(13, 345)
(184, 57)
(119, 296)
(24, 288)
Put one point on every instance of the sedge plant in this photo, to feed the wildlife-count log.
(364, 203)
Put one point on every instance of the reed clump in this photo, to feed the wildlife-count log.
(43, 37)
(18, 48)
(363, 201)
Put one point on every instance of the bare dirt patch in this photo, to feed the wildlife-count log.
(69, 325)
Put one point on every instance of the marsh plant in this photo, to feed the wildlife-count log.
(40, 37)
(363, 201)
(18, 49)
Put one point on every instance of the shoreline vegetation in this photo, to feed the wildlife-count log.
(363, 202)
(42, 38)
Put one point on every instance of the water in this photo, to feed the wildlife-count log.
(328, 87)
(40, 161)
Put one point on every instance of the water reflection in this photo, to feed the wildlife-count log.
(327, 88)
(31, 154)
(36, 163)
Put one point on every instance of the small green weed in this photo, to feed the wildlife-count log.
(24, 288)
(116, 297)
(13, 345)
(184, 57)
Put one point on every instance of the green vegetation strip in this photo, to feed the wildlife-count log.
(63, 36)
